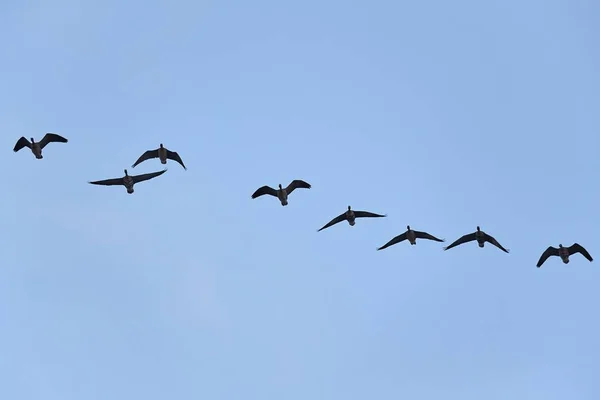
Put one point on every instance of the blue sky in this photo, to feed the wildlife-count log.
(444, 115)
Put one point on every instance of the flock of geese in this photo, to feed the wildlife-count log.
(282, 194)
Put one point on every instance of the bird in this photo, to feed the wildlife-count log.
(412, 237)
(163, 154)
(564, 253)
(129, 180)
(350, 216)
(481, 238)
(36, 147)
(281, 193)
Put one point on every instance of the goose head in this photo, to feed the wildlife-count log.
(408, 227)
(280, 188)
(478, 229)
(161, 145)
(32, 141)
(349, 208)
(560, 246)
(125, 172)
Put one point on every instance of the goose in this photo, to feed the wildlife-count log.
(350, 216)
(481, 238)
(281, 193)
(163, 154)
(564, 253)
(412, 237)
(129, 180)
(36, 148)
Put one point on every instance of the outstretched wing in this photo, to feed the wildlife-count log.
(425, 235)
(175, 157)
(22, 142)
(490, 239)
(146, 156)
(264, 190)
(395, 240)
(464, 239)
(550, 251)
(108, 182)
(334, 221)
(363, 214)
(145, 177)
(296, 184)
(51, 137)
(577, 248)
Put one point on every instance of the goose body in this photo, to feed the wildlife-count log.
(564, 253)
(281, 193)
(37, 147)
(163, 154)
(128, 180)
(350, 215)
(412, 236)
(481, 237)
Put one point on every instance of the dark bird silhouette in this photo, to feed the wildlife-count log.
(481, 238)
(36, 147)
(162, 153)
(564, 253)
(281, 193)
(128, 180)
(350, 216)
(412, 237)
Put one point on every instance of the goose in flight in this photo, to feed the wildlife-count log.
(129, 180)
(36, 147)
(564, 253)
(481, 238)
(412, 237)
(281, 193)
(350, 216)
(163, 154)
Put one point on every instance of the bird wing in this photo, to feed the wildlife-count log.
(146, 156)
(296, 184)
(490, 239)
(334, 221)
(22, 142)
(577, 248)
(550, 251)
(51, 137)
(363, 214)
(425, 235)
(264, 190)
(145, 177)
(108, 182)
(175, 157)
(395, 240)
(461, 240)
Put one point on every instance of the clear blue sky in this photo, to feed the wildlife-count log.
(444, 115)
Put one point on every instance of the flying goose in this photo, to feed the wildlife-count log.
(128, 180)
(481, 238)
(36, 148)
(163, 154)
(281, 193)
(350, 216)
(412, 237)
(564, 253)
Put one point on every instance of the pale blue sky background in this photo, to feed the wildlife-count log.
(444, 115)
